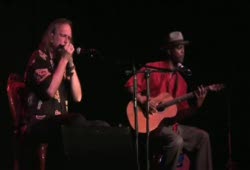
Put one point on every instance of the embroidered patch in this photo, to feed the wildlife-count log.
(40, 117)
(57, 96)
(30, 99)
(41, 74)
(39, 104)
(33, 61)
(42, 55)
(57, 112)
(66, 104)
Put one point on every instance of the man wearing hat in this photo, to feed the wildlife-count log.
(167, 78)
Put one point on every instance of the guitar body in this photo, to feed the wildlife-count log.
(166, 108)
(154, 118)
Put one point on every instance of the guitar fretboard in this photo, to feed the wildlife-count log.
(187, 96)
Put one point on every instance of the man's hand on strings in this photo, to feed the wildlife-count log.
(200, 94)
(143, 101)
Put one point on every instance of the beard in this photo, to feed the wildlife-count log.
(177, 59)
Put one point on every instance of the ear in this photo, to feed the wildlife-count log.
(51, 37)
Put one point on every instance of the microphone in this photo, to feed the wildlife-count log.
(84, 51)
(181, 68)
(92, 52)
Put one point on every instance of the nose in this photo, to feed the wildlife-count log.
(66, 41)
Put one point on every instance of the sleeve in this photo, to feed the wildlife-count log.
(141, 82)
(39, 75)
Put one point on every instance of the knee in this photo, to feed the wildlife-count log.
(178, 142)
(205, 135)
(176, 145)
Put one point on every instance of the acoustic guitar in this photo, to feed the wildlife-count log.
(166, 108)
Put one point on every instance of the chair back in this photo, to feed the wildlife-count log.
(16, 92)
(17, 96)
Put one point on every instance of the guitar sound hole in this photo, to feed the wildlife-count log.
(160, 109)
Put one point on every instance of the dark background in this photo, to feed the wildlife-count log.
(126, 31)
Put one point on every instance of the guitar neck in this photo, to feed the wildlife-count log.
(177, 100)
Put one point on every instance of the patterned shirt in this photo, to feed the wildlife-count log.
(38, 77)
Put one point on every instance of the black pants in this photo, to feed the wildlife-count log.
(49, 131)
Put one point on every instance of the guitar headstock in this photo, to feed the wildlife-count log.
(216, 87)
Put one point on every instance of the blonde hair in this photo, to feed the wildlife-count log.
(45, 43)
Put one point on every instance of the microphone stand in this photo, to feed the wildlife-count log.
(136, 117)
(147, 72)
(147, 75)
(231, 165)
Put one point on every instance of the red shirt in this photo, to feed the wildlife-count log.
(162, 82)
